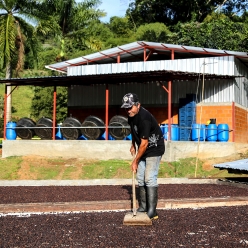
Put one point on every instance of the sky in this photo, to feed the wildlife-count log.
(113, 8)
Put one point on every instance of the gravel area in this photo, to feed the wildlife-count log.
(211, 227)
(34, 194)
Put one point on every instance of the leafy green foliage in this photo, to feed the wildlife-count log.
(217, 33)
(156, 32)
(120, 26)
(170, 12)
(42, 103)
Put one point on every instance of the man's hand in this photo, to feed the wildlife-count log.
(133, 150)
(134, 165)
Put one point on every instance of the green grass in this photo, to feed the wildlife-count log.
(186, 168)
(106, 169)
(68, 171)
(45, 169)
(21, 101)
(9, 168)
(44, 173)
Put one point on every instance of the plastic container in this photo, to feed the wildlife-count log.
(213, 121)
(71, 133)
(26, 132)
(97, 130)
(174, 132)
(198, 132)
(103, 137)
(10, 131)
(45, 131)
(58, 135)
(122, 132)
(211, 133)
(129, 137)
(223, 133)
(164, 129)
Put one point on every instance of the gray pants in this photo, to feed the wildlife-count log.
(147, 172)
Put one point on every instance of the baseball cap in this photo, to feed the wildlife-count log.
(128, 100)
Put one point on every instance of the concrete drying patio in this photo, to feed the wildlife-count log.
(114, 205)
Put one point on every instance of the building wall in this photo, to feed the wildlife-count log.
(236, 117)
(221, 112)
(151, 93)
(241, 124)
(160, 113)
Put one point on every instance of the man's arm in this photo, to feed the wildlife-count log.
(141, 151)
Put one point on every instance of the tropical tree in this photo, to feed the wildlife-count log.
(171, 12)
(74, 19)
(217, 31)
(42, 103)
(80, 30)
(16, 17)
(156, 32)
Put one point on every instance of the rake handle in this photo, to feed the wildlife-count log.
(134, 195)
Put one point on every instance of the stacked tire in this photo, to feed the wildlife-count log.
(96, 127)
(71, 133)
(45, 128)
(123, 128)
(26, 131)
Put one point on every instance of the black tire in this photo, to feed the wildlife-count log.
(119, 133)
(44, 133)
(97, 131)
(25, 133)
(71, 133)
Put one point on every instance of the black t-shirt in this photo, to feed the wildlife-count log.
(144, 126)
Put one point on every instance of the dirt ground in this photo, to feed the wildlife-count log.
(36, 161)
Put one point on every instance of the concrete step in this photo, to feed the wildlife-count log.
(124, 205)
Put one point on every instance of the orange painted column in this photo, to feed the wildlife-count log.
(169, 109)
(169, 99)
(233, 122)
(54, 110)
(4, 113)
(107, 112)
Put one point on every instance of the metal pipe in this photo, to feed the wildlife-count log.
(54, 110)
(106, 112)
(169, 110)
(144, 54)
(233, 121)
(4, 113)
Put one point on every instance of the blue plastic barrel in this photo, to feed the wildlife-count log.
(164, 129)
(223, 133)
(58, 135)
(211, 133)
(10, 130)
(174, 132)
(129, 137)
(198, 132)
(103, 137)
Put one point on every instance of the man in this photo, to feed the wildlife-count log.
(148, 137)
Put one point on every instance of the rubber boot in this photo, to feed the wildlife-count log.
(152, 200)
(142, 199)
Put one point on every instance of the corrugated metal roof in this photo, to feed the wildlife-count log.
(237, 165)
(224, 66)
(135, 52)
